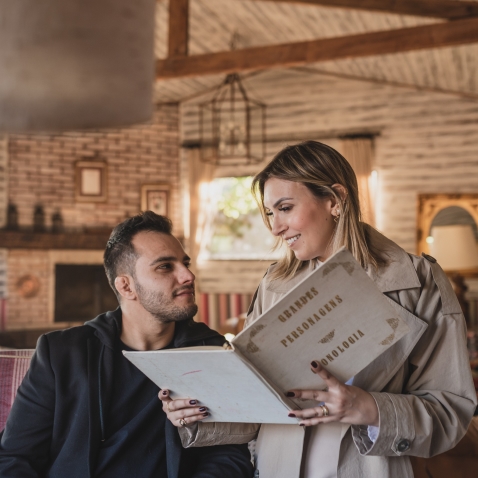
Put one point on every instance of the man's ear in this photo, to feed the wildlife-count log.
(124, 285)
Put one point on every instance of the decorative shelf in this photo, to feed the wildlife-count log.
(24, 239)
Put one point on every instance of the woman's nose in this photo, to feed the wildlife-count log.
(277, 227)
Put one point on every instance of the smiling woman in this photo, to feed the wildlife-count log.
(304, 221)
(308, 196)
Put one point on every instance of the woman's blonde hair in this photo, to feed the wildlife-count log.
(318, 167)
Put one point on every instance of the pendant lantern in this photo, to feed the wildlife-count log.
(234, 125)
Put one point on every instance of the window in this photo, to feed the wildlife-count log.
(233, 226)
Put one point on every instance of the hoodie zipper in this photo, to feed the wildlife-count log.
(102, 421)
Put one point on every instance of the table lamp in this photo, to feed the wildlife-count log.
(455, 249)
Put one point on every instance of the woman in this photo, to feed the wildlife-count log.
(416, 399)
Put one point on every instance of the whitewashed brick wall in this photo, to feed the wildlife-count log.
(427, 141)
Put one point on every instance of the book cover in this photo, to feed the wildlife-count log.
(335, 315)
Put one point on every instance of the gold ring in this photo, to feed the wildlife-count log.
(167, 406)
(182, 422)
(325, 411)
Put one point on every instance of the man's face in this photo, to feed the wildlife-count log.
(163, 282)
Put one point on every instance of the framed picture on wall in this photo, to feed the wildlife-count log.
(90, 181)
(155, 197)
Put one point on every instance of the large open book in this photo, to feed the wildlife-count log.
(336, 316)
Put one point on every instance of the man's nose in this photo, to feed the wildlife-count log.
(185, 275)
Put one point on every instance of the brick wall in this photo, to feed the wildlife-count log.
(27, 312)
(41, 170)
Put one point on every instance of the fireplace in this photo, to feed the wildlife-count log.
(81, 292)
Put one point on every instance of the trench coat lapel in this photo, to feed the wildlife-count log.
(398, 274)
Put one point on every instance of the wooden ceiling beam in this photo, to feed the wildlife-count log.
(447, 9)
(458, 32)
(178, 28)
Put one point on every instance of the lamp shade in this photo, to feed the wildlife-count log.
(75, 64)
(454, 247)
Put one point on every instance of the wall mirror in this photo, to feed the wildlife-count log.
(441, 210)
(447, 229)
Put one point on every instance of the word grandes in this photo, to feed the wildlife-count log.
(310, 321)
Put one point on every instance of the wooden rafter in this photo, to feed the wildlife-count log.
(178, 28)
(447, 9)
(458, 32)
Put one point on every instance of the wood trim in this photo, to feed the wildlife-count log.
(447, 9)
(439, 35)
(178, 28)
(46, 240)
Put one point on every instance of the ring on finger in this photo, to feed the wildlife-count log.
(325, 411)
(167, 406)
(182, 422)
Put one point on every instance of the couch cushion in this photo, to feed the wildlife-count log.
(13, 367)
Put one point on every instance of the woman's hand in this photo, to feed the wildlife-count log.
(184, 412)
(339, 403)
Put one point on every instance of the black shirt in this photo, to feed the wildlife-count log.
(134, 415)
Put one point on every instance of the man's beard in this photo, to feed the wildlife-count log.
(162, 308)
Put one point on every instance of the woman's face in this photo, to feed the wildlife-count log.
(305, 222)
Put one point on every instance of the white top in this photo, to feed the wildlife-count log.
(322, 448)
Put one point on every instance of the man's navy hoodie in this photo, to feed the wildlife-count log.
(57, 422)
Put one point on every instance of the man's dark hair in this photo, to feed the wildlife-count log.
(120, 256)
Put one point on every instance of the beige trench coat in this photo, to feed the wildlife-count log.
(422, 384)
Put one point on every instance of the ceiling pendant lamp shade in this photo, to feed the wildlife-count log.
(75, 64)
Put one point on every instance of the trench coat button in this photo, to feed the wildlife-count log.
(256, 474)
(403, 445)
(429, 258)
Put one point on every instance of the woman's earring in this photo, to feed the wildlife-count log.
(337, 216)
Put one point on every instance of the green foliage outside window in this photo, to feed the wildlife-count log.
(235, 227)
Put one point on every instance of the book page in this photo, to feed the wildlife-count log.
(221, 381)
(335, 316)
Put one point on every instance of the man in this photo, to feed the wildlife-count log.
(83, 410)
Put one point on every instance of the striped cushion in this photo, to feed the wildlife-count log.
(13, 367)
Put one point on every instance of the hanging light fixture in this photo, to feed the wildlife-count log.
(75, 64)
(232, 126)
